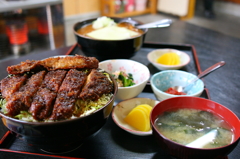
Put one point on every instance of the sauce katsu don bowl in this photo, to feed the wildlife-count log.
(109, 38)
(55, 104)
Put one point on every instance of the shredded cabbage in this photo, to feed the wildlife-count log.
(82, 108)
(3, 105)
(102, 22)
(25, 116)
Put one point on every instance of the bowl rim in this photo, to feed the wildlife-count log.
(132, 131)
(2, 115)
(129, 60)
(89, 21)
(165, 138)
(169, 66)
(172, 95)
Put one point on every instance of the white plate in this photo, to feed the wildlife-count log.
(122, 109)
(155, 54)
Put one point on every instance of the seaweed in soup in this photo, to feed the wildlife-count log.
(186, 125)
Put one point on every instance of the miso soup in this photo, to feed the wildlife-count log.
(185, 126)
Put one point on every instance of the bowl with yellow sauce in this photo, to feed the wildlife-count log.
(168, 59)
(109, 38)
(133, 115)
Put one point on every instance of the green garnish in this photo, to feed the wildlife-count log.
(124, 79)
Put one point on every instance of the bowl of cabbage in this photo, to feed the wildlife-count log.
(194, 127)
(108, 38)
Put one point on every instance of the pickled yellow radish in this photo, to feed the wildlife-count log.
(144, 109)
(146, 106)
(139, 117)
(170, 58)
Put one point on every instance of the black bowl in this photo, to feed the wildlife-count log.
(109, 49)
(61, 136)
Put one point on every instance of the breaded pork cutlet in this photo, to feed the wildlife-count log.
(42, 105)
(54, 63)
(22, 99)
(11, 84)
(69, 62)
(23, 67)
(96, 85)
(67, 94)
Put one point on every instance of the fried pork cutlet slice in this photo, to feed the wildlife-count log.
(70, 62)
(23, 67)
(96, 85)
(10, 85)
(22, 99)
(42, 105)
(54, 63)
(67, 94)
(53, 80)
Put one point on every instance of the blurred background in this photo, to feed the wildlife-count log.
(32, 26)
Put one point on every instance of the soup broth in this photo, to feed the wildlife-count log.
(185, 126)
(84, 31)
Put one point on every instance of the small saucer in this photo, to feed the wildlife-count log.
(122, 109)
(155, 54)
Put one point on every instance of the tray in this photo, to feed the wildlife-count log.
(111, 141)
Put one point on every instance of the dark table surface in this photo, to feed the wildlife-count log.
(223, 85)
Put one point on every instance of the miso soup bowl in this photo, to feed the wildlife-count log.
(109, 49)
(184, 152)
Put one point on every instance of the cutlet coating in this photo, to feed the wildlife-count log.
(53, 80)
(23, 67)
(10, 85)
(70, 62)
(97, 84)
(22, 99)
(67, 94)
(54, 63)
(42, 105)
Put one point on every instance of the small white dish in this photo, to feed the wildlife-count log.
(140, 72)
(155, 54)
(122, 109)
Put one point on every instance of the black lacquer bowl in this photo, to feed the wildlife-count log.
(109, 49)
(61, 136)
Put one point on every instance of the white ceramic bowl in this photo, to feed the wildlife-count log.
(140, 72)
(163, 80)
(155, 54)
(122, 109)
